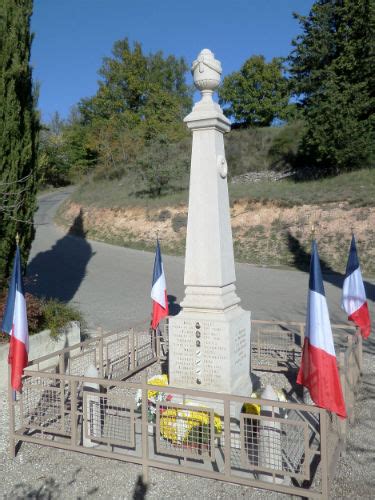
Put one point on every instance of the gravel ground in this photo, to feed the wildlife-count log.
(44, 473)
(355, 472)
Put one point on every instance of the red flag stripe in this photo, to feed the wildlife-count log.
(158, 313)
(361, 317)
(18, 359)
(319, 373)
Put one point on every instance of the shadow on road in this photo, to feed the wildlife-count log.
(57, 273)
(301, 260)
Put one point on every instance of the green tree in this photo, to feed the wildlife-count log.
(161, 165)
(332, 73)
(52, 156)
(141, 100)
(19, 126)
(257, 94)
(64, 150)
(132, 83)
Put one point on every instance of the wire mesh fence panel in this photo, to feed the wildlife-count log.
(164, 340)
(275, 347)
(145, 352)
(185, 430)
(79, 363)
(108, 420)
(118, 358)
(43, 405)
(275, 445)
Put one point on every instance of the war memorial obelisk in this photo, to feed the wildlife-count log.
(209, 340)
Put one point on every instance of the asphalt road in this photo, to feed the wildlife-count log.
(111, 285)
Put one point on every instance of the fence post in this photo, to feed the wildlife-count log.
(157, 337)
(342, 422)
(144, 428)
(350, 371)
(62, 389)
(324, 454)
(73, 415)
(227, 437)
(302, 333)
(101, 356)
(12, 443)
(133, 351)
(360, 351)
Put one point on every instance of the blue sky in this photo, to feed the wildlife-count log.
(72, 37)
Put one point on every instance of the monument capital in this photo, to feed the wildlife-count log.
(207, 113)
(206, 71)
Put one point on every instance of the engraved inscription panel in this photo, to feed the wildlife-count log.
(209, 354)
(240, 352)
(215, 355)
(199, 354)
(182, 352)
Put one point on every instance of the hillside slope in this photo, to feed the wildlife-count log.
(271, 221)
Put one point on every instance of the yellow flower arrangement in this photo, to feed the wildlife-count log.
(161, 380)
(176, 424)
(253, 408)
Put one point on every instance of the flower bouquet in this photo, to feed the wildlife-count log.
(255, 409)
(189, 428)
(154, 396)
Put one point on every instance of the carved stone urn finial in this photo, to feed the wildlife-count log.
(206, 72)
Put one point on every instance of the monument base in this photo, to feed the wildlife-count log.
(210, 350)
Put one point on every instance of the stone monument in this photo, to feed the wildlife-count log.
(209, 340)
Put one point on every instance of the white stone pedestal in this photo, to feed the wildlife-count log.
(210, 351)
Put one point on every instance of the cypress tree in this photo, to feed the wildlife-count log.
(19, 127)
(332, 69)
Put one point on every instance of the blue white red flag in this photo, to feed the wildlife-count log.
(354, 300)
(318, 371)
(15, 324)
(158, 291)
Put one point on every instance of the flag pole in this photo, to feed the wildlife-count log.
(312, 232)
(305, 391)
(14, 395)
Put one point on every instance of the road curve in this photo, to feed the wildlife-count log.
(111, 284)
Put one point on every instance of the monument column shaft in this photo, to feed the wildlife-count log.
(209, 250)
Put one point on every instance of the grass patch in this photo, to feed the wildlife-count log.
(356, 188)
(122, 194)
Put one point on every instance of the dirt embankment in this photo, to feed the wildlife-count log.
(263, 234)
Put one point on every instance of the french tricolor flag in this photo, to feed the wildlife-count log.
(318, 371)
(158, 291)
(15, 324)
(354, 300)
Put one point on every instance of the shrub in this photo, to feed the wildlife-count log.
(284, 149)
(57, 315)
(44, 314)
(179, 221)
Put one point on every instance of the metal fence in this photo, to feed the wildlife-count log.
(288, 447)
(115, 355)
(277, 345)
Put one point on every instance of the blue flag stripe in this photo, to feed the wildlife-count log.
(316, 280)
(15, 284)
(353, 262)
(157, 264)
